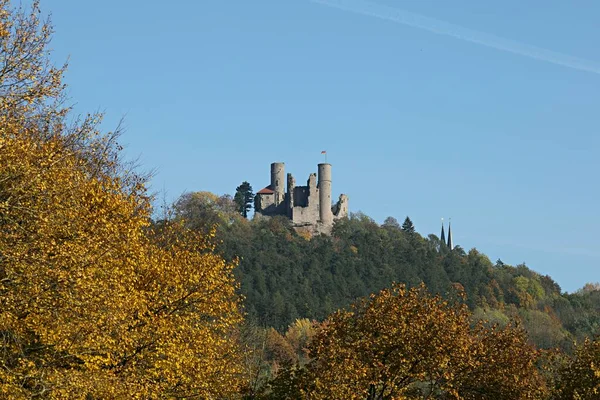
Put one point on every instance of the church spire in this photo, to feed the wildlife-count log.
(443, 235)
(450, 244)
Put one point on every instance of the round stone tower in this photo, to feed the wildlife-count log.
(325, 214)
(278, 181)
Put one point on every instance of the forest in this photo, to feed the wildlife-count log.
(285, 275)
(102, 296)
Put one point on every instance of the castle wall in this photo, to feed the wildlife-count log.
(267, 203)
(305, 215)
(301, 194)
(291, 188)
(306, 202)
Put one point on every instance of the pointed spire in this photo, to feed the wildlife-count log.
(443, 235)
(450, 244)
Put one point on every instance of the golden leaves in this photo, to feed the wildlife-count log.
(579, 378)
(92, 301)
(27, 78)
(405, 343)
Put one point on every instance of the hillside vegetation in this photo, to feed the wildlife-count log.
(285, 276)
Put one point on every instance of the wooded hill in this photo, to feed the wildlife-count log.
(285, 276)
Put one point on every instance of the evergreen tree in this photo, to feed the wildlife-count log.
(244, 198)
(407, 226)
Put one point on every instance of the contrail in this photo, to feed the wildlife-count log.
(444, 28)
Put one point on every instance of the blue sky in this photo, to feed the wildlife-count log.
(415, 123)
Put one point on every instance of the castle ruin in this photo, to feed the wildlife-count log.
(308, 207)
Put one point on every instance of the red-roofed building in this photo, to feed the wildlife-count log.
(266, 190)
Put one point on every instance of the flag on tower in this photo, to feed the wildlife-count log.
(323, 152)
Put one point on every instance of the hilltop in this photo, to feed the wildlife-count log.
(287, 275)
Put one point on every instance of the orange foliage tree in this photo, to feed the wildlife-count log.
(402, 344)
(579, 379)
(94, 302)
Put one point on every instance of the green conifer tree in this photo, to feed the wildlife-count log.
(407, 226)
(244, 197)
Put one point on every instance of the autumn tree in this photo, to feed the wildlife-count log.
(498, 364)
(27, 77)
(579, 378)
(590, 287)
(93, 302)
(405, 343)
(299, 335)
(203, 211)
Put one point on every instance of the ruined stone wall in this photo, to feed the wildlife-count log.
(301, 195)
(306, 202)
(340, 209)
(289, 197)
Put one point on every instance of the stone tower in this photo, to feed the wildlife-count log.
(324, 185)
(278, 182)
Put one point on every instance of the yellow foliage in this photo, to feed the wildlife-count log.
(403, 344)
(94, 301)
(580, 377)
(27, 79)
(301, 333)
